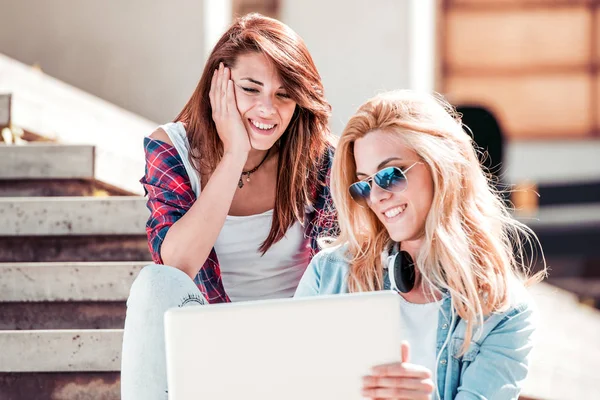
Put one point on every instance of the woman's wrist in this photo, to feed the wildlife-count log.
(235, 158)
(237, 149)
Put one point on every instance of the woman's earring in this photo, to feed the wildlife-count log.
(401, 269)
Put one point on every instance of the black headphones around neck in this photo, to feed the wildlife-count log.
(401, 270)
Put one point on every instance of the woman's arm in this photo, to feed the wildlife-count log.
(327, 273)
(311, 280)
(189, 241)
(501, 363)
(168, 190)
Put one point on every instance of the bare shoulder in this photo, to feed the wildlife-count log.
(161, 135)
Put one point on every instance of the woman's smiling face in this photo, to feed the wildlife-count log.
(262, 101)
(402, 213)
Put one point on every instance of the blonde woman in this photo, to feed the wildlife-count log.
(417, 215)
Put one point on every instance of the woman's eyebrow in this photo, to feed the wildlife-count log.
(259, 83)
(253, 81)
(387, 161)
(381, 164)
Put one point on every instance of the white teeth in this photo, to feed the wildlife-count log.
(391, 213)
(262, 126)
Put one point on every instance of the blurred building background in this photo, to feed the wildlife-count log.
(525, 74)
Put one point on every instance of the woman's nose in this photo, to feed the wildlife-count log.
(378, 194)
(266, 107)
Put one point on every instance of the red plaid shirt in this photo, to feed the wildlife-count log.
(170, 196)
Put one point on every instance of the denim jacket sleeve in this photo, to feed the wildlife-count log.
(496, 367)
(327, 273)
(311, 280)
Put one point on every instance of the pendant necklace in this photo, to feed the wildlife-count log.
(253, 170)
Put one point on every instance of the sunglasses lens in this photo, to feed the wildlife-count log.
(360, 192)
(391, 179)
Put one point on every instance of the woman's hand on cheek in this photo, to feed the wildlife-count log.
(225, 114)
(400, 380)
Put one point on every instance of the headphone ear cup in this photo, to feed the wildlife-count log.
(402, 274)
(392, 271)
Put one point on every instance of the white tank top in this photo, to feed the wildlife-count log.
(246, 273)
(420, 327)
(249, 275)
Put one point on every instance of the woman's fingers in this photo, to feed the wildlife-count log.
(397, 388)
(395, 393)
(219, 90)
(224, 83)
(225, 114)
(420, 385)
(231, 104)
(405, 352)
(213, 89)
(398, 381)
(222, 94)
(405, 370)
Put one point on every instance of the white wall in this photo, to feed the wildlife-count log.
(147, 55)
(364, 47)
(143, 55)
(553, 161)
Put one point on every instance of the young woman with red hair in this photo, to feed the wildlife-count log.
(238, 189)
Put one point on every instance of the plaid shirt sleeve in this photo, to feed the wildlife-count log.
(170, 194)
(323, 220)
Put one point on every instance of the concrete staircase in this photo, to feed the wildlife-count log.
(70, 247)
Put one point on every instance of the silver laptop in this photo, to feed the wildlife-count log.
(308, 348)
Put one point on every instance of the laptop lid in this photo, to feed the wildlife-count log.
(303, 348)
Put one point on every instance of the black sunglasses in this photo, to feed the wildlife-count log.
(390, 179)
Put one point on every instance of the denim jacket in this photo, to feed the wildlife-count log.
(496, 362)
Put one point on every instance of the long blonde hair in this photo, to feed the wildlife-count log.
(472, 247)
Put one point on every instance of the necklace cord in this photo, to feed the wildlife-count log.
(253, 170)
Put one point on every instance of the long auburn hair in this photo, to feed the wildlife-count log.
(470, 237)
(306, 138)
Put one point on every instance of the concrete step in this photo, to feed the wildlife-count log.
(83, 281)
(57, 187)
(22, 216)
(60, 386)
(62, 315)
(74, 248)
(87, 295)
(51, 108)
(61, 350)
(46, 160)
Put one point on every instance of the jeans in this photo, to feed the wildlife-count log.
(143, 361)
